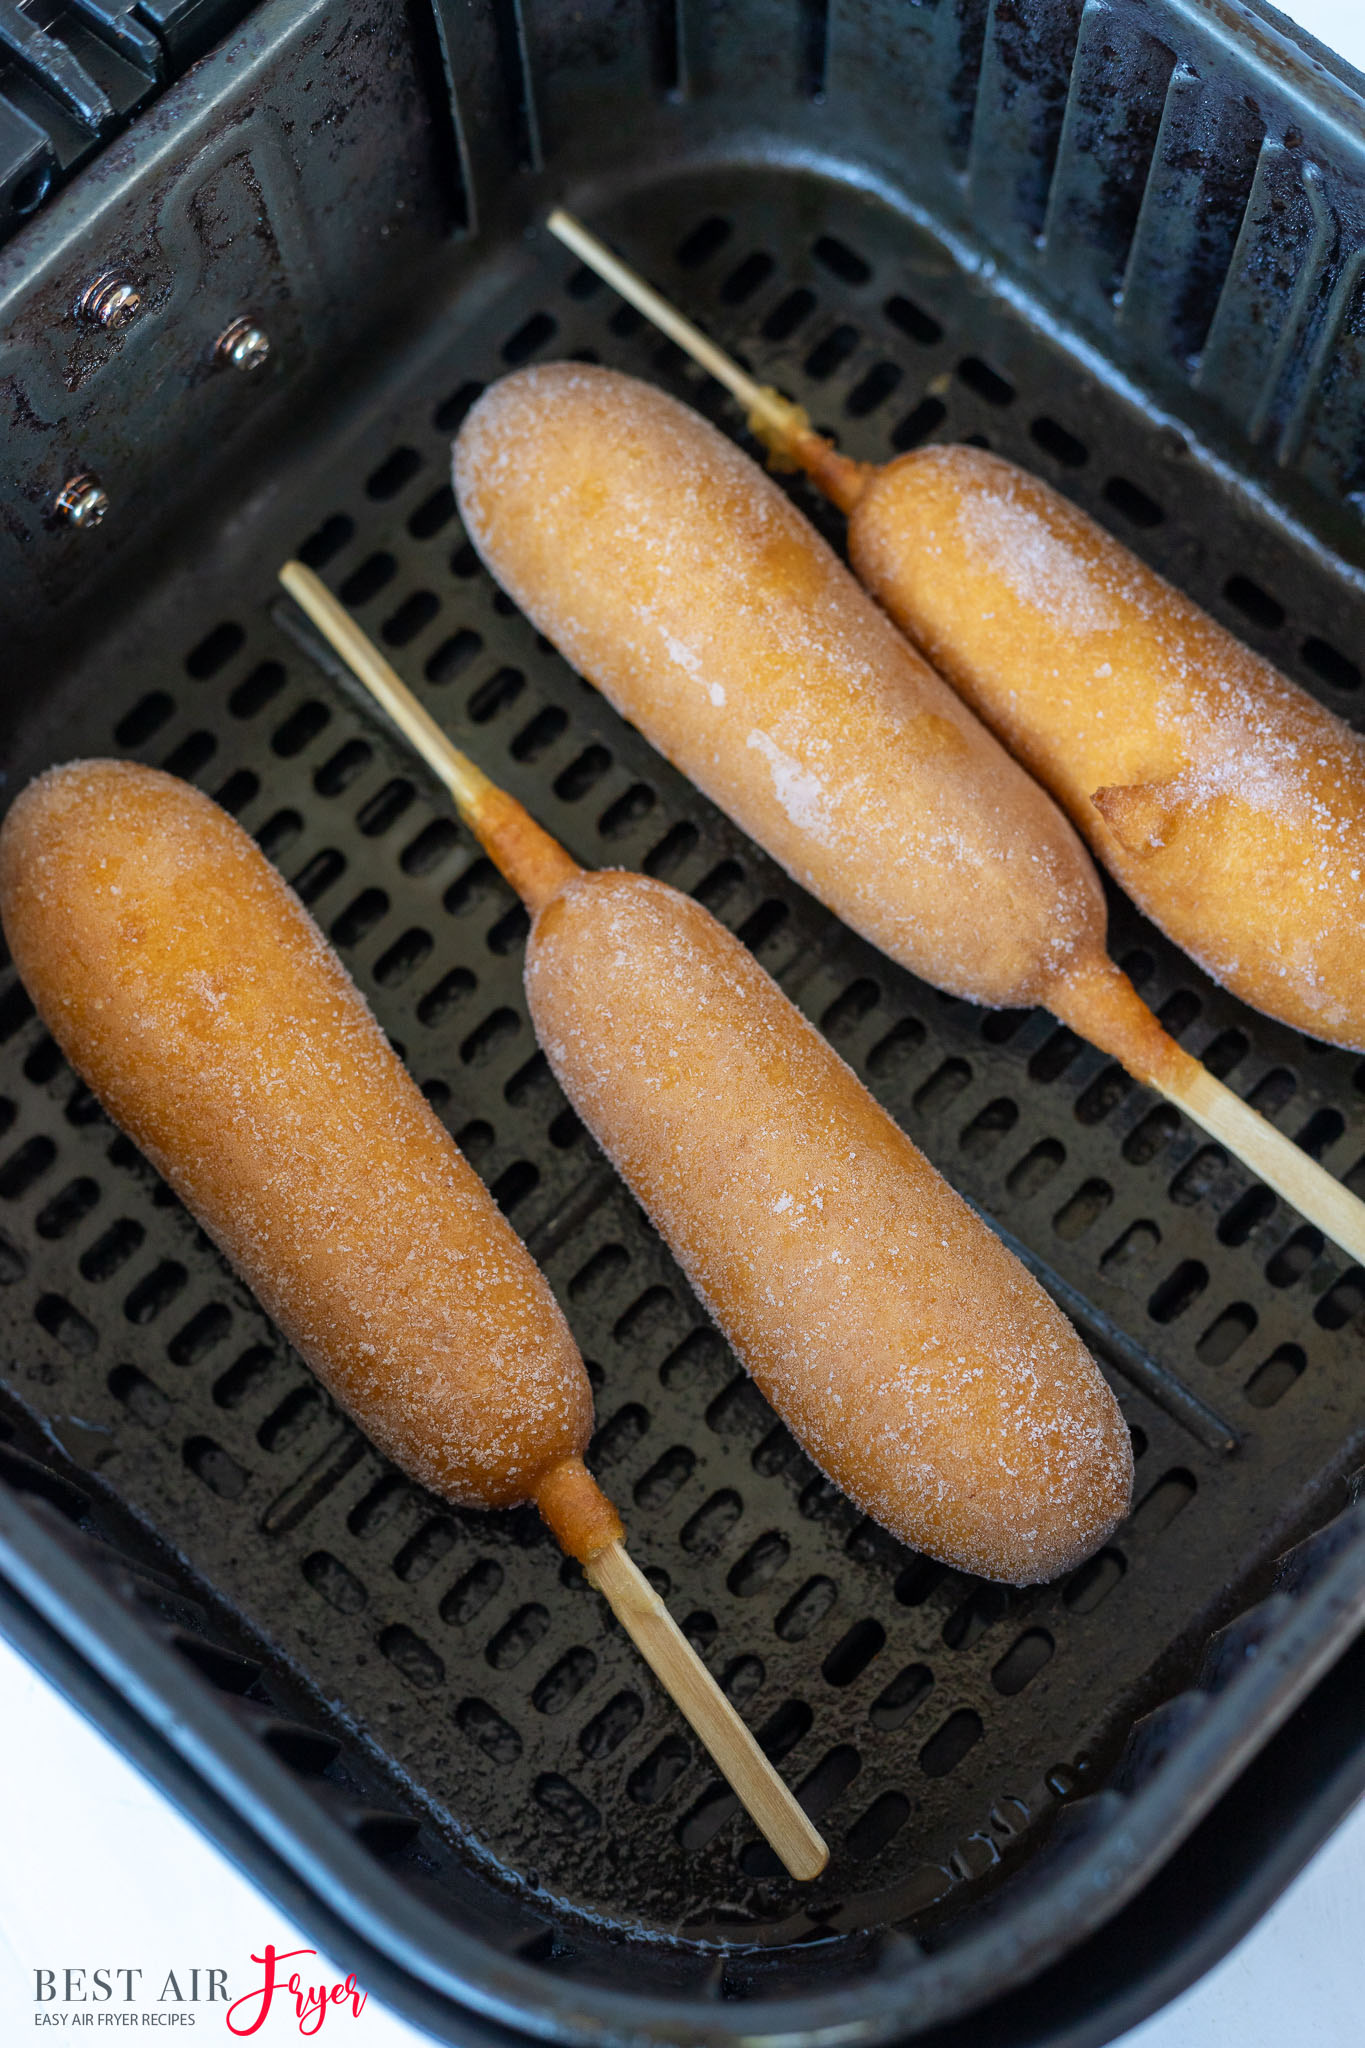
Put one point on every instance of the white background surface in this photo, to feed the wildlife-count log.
(96, 1868)
(1338, 23)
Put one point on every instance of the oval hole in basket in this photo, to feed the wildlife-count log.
(564, 1680)
(950, 1742)
(205, 1330)
(1271, 1381)
(450, 413)
(1036, 1168)
(807, 1609)
(984, 1605)
(618, 1437)
(56, 1315)
(215, 650)
(745, 279)
(245, 1377)
(1254, 603)
(742, 1680)
(609, 1728)
(987, 383)
(1342, 1301)
(1320, 1132)
(853, 1653)
(760, 1564)
(1135, 504)
(627, 812)
(447, 995)
(921, 421)
(738, 1408)
(1147, 1140)
(656, 1775)
(334, 1583)
(518, 1636)
(1022, 1662)
(1330, 665)
(873, 389)
(894, 1706)
(472, 1592)
(988, 1127)
(25, 1166)
(1094, 1582)
(706, 1531)
(147, 716)
(213, 1465)
(486, 1728)
(142, 1398)
(1246, 1215)
(568, 1809)
(453, 656)
(532, 335)
(393, 473)
(664, 1478)
(326, 540)
(1295, 1257)
(913, 321)
(1227, 1334)
(582, 773)
(787, 315)
(873, 1829)
(1170, 1497)
(368, 578)
(408, 1653)
(1058, 442)
(68, 1209)
(1088, 1203)
(703, 241)
(421, 1553)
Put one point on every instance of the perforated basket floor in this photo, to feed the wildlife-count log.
(932, 1723)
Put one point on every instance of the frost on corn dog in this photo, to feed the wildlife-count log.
(684, 583)
(198, 999)
(909, 1351)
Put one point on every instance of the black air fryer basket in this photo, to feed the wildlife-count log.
(1120, 242)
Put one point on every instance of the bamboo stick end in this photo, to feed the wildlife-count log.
(770, 1804)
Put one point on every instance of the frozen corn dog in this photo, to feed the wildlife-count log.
(923, 1369)
(919, 1364)
(198, 999)
(683, 582)
(189, 987)
(1227, 800)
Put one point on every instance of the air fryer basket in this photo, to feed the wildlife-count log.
(1116, 243)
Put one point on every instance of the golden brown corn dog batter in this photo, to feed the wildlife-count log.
(681, 580)
(919, 1364)
(905, 1347)
(200, 1002)
(1229, 802)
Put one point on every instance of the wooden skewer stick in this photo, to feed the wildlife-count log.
(785, 428)
(689, 1684)
(780, 423)
(468, 785)
(1104, 1007)
(1276, 1159)
(536, 866)
(778, 420)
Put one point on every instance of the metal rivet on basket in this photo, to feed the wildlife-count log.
(243, 346)
(111, 300)
(82, 501)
